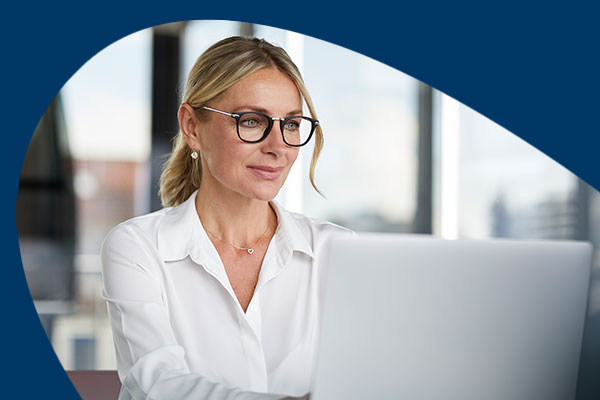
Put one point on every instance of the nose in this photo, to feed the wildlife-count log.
(274, 143)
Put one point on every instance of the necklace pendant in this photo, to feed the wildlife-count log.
(250, 251)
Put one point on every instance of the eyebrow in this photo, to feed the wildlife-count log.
(265, 111)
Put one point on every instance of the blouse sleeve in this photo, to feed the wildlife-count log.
(150, 363)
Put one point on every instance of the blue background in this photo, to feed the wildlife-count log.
(531, 68)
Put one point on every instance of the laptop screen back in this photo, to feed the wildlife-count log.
(409, 317)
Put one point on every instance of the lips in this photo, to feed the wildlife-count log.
(266, 172)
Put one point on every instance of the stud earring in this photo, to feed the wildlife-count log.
(194, 154)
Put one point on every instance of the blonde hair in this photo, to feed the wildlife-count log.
(218, 68)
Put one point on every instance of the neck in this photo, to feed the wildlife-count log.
(234, 218)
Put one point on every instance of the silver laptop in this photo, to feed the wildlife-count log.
(409, 317)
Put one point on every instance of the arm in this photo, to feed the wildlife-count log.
(151, 364)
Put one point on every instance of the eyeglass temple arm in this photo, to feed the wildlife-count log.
(221, 112)
(237, 115)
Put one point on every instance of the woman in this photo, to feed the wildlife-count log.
(216, 296)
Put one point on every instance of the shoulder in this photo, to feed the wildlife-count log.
(143, 228)
(308, 234)
(131, 247)
(161, 235)
(317, 226)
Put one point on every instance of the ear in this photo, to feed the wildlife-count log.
(189, 124)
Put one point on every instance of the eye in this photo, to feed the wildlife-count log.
(253, 121)
(249, 122)
(292, 125)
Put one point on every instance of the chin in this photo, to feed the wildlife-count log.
(265, 193)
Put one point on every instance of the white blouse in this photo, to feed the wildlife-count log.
(178, 328)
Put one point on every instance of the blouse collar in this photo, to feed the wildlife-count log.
(181, 234)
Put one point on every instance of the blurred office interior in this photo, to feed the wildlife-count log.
(399, 156)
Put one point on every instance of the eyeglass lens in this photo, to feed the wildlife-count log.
(296, 130)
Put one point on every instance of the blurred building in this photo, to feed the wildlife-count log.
(553, 218)
(46, 218)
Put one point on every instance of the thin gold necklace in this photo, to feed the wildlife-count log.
(250, 250)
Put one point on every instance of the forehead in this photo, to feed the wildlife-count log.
(267, 88)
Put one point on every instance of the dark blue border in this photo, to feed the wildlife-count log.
(533, 69)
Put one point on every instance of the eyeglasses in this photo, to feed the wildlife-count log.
(254, 127)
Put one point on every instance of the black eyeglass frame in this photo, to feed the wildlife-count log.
(282, 121)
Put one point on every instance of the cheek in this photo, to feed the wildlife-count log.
(293, 155)
(225, 160)
(219, 150)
